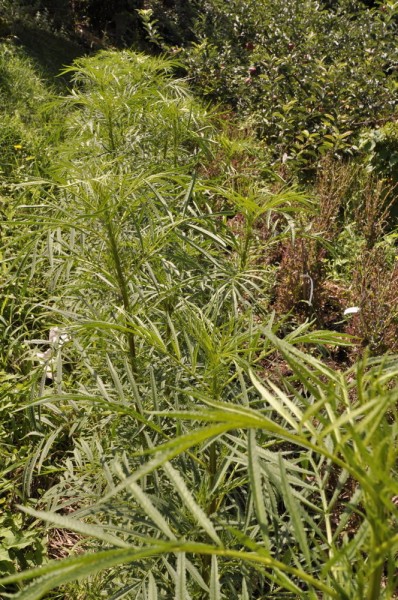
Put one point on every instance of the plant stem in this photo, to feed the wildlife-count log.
(377, 573)
(247, 242)
(122, 286)
(375, 583)
(211, 508)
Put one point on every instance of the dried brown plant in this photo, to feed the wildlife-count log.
(375, 290)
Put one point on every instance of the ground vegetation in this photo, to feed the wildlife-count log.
(199, 300)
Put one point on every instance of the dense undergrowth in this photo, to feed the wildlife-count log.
(186, 409)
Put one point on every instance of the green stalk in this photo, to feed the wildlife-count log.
(375, 583)
(122, 287)
(213, 465)
(111, 136)
(377, 573)
(247, 242)
(211, 509)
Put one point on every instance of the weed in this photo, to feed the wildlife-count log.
(375, 290)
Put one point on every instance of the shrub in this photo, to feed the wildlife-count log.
(380, 148)
(305, 77)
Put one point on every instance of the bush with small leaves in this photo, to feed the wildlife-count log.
(308, 79)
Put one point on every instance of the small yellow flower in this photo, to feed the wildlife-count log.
(18, 147)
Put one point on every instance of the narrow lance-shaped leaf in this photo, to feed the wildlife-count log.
(70, 569)
(256, 485)
(72, 524)
(295, 513)
(152, 588)
(181, 592)
(276, 403)
(196, 511)
(215, 590)
(147, 505)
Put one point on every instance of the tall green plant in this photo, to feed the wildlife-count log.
(178, 447)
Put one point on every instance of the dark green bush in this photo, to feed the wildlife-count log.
(381, 148)
(307, 78)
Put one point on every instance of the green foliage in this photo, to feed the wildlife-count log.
(176, 19)
(127, 100)
(21, 547)
(380, 147)
(21, 93)
(136, 266)
(306, 78)
(179, 439)
(324, 467)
